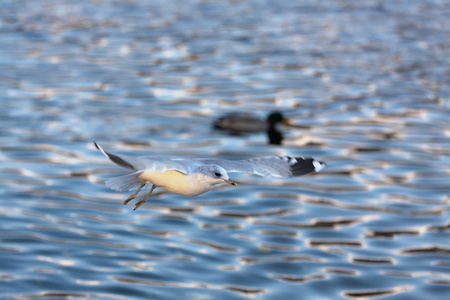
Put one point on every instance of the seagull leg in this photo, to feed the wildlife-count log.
(143, 200)
(134, 195)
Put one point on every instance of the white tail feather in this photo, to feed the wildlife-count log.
(127, 182)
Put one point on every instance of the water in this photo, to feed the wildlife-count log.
(366, 83)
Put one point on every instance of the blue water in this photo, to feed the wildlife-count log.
(365, 82)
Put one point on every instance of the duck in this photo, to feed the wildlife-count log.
(237, 123)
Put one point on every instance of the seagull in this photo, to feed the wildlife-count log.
(193, 177)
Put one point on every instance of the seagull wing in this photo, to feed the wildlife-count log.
(150, 163)
(275, 166)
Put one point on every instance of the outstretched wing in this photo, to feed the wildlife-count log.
(150, 163)
(275, 166)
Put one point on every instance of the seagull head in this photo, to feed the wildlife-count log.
(216, 174)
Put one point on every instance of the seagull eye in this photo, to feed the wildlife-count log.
(217, 174)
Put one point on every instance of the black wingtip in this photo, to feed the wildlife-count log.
(305, 166)
(115, 158)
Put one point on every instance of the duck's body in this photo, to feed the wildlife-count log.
(243, 123)
(238, 122)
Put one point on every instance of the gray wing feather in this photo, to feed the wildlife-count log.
(149, 163)
(161, 164)
(126, 182)
(275, 166)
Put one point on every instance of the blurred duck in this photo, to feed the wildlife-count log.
(242, 123)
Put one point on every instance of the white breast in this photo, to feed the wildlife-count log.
(177, 182)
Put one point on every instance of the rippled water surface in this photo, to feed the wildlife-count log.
(366, 84)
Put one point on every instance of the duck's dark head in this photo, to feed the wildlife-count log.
(275, 117)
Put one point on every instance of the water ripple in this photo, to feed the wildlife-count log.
(150, 78)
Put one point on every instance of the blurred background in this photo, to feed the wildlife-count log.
(364, 85)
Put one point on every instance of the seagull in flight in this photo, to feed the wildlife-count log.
(193, 177)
